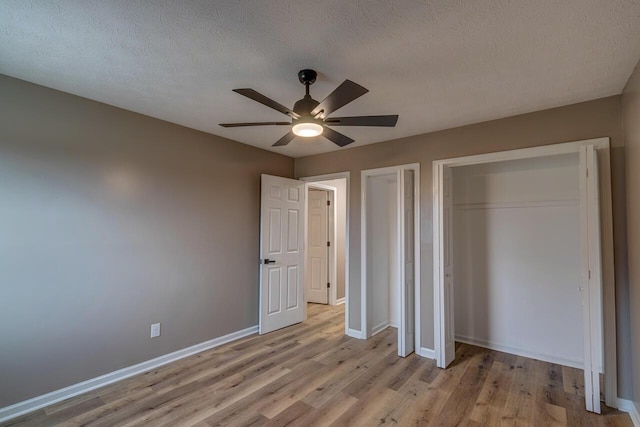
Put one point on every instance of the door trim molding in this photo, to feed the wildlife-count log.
(364, 174)
(524, 153)
(609, 326)
(328, 177)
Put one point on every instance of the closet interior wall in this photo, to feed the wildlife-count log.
(517, 265)
(383, 251)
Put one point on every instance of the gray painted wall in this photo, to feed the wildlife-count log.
(110, 221)
(631, 120)
(586, 120)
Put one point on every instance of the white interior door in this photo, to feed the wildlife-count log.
(318, 249)
(406, 331)
(282, 253)
(443, 268)
(592, 277)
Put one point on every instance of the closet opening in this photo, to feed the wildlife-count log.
(516, 258)
(390, 285)
(523, 258)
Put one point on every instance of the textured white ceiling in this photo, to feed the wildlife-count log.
(438, 64)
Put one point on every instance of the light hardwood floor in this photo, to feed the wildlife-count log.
(311, 375)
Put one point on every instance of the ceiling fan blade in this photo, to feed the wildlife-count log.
(237, 125)
(386, 121)
(258, 97)
(342, 95)
(336, 137)
(285, 139)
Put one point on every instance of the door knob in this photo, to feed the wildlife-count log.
(269, 261)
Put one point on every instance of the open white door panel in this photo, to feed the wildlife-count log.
(591, 277)
(282, 253)
(443, 268)
(406, 332)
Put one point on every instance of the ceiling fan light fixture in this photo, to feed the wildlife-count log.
(310, 118)
(307, 129)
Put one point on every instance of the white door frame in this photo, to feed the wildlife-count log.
(333, 253)
(606, 223)
(415, 167)
(328, 177)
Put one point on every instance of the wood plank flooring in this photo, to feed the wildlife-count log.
(312, 375)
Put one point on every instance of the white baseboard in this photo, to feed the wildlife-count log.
(381, 327)
(520, 352)
(353, 333)
(341, 300)
(56, 396)
(632, 409)
(426, 352)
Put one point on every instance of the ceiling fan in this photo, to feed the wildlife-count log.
(309, 117)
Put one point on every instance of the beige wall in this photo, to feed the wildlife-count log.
(631, 122)
(599, 118)
(111, 221)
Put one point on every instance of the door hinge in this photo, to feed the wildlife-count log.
(328, 285)
(589, 274)
(328, 243)
(328, 202)
(587, 172)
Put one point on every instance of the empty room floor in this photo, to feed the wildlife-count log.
(311, 374)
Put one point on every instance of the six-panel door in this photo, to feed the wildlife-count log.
(282, 253)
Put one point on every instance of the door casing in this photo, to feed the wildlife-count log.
(313, 180)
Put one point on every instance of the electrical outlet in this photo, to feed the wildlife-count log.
(155, 330)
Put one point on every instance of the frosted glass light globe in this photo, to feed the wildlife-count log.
(307, 130)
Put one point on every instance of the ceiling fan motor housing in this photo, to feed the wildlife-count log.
(304, 106)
